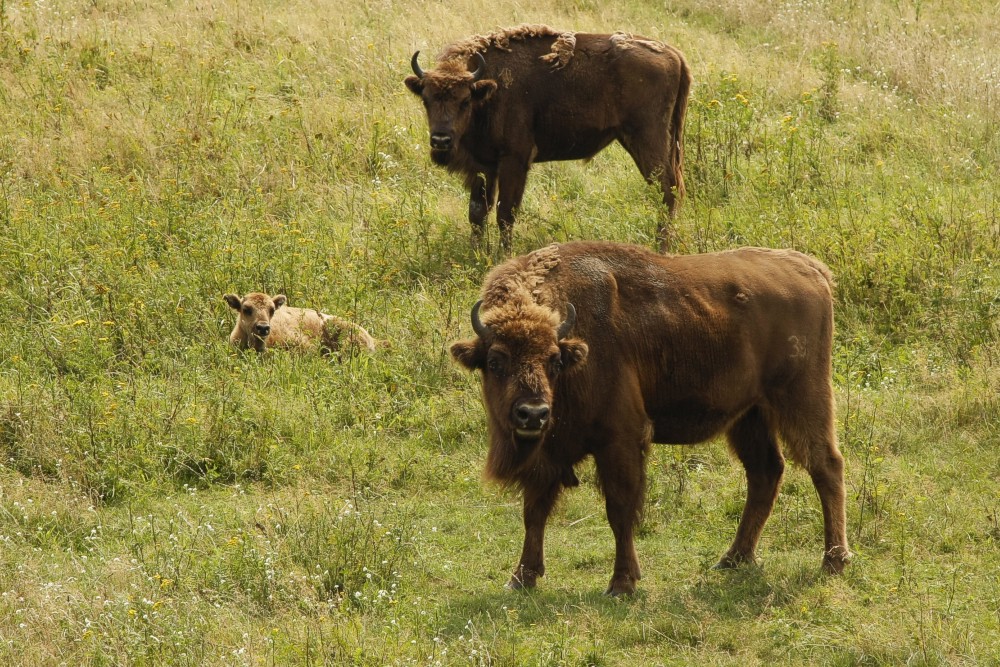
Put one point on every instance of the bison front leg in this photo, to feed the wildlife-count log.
(538, 504)
(481, 200)
(512, 174)
(622, 474)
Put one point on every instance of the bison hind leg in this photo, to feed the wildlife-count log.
(752, 440)
(810, 438)
(651, 151)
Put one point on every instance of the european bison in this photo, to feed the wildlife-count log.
(536, 94)
(664, 349)
(266, 322)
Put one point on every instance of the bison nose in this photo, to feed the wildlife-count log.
(262, 329)
(531, 416)
(440, 141)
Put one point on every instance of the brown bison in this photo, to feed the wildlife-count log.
(265, 322)
(536, 94)
(599, 349)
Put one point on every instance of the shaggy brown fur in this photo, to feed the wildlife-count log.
(542, 94)
(559, 54)
(265, 322)
(664, 349)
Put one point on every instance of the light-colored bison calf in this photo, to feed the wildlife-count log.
(265, 322)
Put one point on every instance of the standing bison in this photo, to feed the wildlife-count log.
(535, 94)
(599, 349)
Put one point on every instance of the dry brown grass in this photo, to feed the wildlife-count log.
(940, 53)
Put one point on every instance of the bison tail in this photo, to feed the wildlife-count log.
(677, 125)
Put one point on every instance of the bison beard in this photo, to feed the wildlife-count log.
(658, 349)
(498, 103)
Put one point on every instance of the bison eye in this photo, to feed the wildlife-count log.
(270, 311)
(248, 311)
(495, 366)
(555, 364)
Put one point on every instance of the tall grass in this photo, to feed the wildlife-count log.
(166, 500)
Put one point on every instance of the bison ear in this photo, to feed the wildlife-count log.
(469, 353)
(482, 90)
(415, 84)
(233, 301)
(279, 301)
(573, 351)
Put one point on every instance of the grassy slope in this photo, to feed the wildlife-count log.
(164, 501)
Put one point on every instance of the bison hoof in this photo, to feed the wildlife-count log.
(523, 579)
(621, 587)
(506, 240)
(836, 559)
(516, 584)
(667, 240)
(476, 238)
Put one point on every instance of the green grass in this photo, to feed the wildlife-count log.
(167, 501)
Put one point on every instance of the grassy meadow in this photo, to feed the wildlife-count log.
(165, 500)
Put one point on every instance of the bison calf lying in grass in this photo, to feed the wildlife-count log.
(266, 322)
(599, 349)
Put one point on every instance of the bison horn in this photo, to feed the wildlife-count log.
(416, 66)
(477, 324)
(567, 324)
(481, 67)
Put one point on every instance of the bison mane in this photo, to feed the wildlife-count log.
(521, 283)
(560, 54)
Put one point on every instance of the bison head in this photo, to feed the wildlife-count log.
(450, 94)
(522, 351)
(256, 310)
